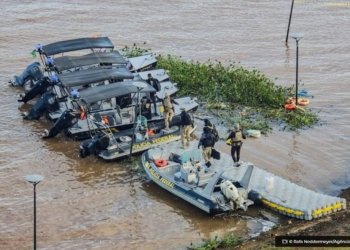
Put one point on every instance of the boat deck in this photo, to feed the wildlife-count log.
(275, 192)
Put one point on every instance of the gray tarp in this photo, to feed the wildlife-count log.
(105, 92)
(93, 75)
(77, 44)
(70, 62)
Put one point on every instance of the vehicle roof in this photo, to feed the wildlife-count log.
(94, 75)
(104, 92)
(77, 44)
(70, 62)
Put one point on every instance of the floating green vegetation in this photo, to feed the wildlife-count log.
(134, 50)
(234, 93)
(227, 242)
(133, 164)
(244, 96)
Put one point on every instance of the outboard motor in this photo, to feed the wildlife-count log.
(237, 197)
(38, 89)
(31, 73)
(94, 145)
(66, 120)
(47, 102)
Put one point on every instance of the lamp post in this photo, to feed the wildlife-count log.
(297, 38)
(34, 179)
(290, 19)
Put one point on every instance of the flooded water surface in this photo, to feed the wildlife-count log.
(91, 204)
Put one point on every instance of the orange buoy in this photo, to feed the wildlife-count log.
(303, 101)
(160, 163)
(290, 106)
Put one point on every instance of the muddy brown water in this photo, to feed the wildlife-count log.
(91, 204)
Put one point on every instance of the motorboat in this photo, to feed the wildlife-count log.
(110, 145)
(100, 53)
(117, 103)
(182, 172)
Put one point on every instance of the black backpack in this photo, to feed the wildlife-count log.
(156, 84)
(216, 134)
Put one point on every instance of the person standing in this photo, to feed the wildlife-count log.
(207, 142)
(153, 95)
(168, 110)
(146, 108)
(235, 141)
(186, 127)
(208, 124)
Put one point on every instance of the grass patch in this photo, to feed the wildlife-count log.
(234, 93)
(227, 242)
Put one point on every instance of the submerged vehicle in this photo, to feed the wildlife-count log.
(182, 172)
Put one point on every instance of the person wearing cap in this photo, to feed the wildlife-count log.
(186, 127)
(235, 141)
(212, 128)
(207, 142)
(168, 110)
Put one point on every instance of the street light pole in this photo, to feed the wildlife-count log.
(290, 19)
(297, 37)
(34, 179)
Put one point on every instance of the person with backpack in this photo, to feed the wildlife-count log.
(186, 127)
(235, 141)
(207, 142)
(153, 95)
(208, 124)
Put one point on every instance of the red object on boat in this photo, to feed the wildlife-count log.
(160, 163)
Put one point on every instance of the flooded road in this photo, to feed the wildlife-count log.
(91, 204)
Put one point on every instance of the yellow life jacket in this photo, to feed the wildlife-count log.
(238, 137)
(237, 140)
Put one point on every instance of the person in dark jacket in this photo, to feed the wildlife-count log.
(208, 124)
(235, 141)
(207, 142)
(153, 95)
(146, 108)
(186, 127)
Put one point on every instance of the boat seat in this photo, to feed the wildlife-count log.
(177, 176)
(191, 155)
(204, 178)
(112, 116)
(188, 173)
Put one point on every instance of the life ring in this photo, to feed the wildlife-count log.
(160, 163)
(290, 106)
(125, 138)
(303, 101)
